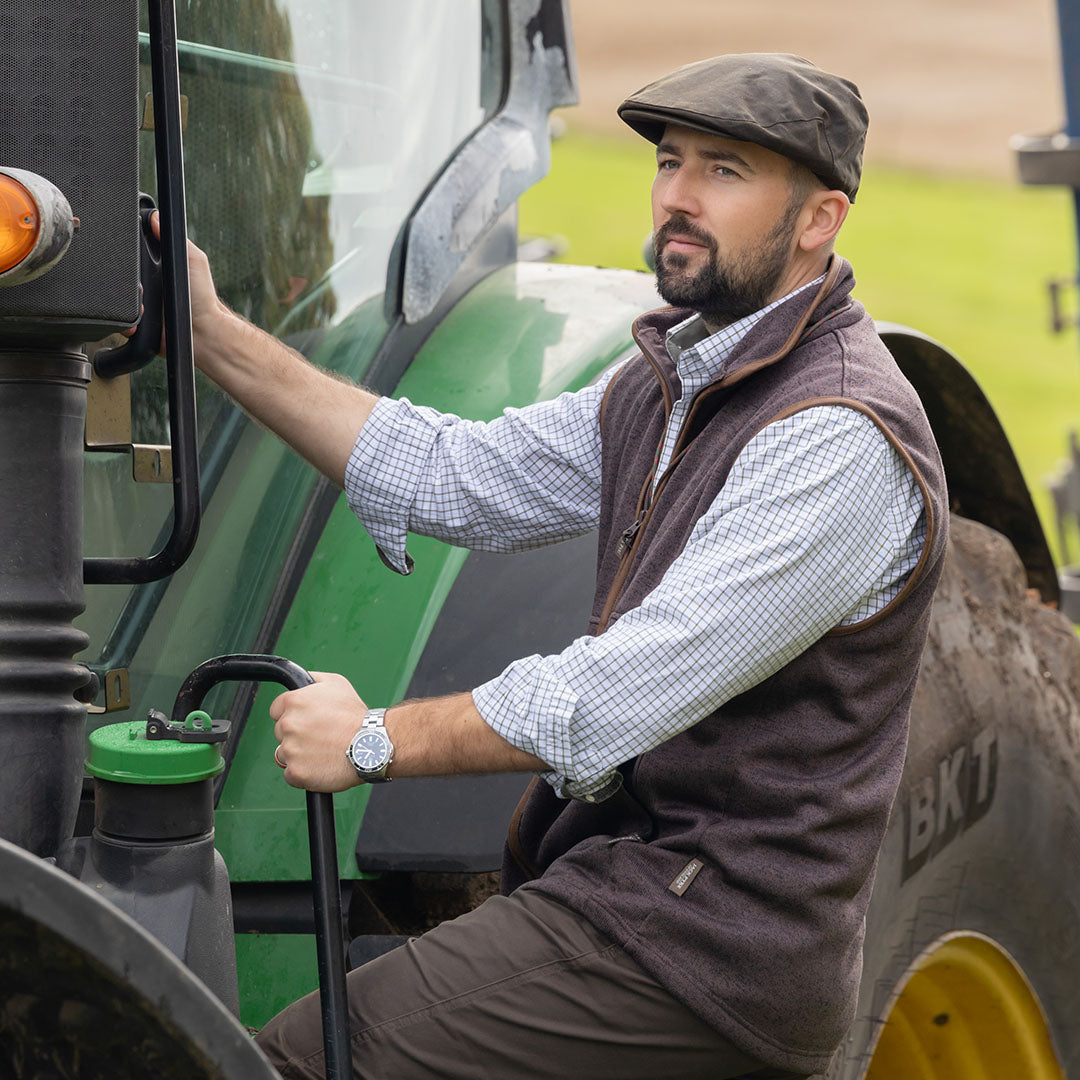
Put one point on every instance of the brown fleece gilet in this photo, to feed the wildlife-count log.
(736, 863)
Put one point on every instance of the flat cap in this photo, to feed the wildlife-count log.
(776, 100)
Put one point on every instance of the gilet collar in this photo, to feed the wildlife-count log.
(768, 341)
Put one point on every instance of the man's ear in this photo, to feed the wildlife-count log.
(828, 209)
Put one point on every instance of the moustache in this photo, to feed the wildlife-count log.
(682, 227)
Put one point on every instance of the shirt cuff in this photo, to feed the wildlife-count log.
(533, 710)
(384, 470)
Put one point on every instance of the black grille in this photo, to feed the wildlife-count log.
(69, 111)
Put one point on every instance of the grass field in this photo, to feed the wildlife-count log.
(965, 261)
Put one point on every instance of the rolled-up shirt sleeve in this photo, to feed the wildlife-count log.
(756, 585)
(529, 477)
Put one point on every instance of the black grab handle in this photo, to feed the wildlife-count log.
(329, 939)
(176, 301)
(145, 343)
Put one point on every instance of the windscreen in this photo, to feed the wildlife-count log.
(312, 129)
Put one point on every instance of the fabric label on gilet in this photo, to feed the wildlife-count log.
(686, 875)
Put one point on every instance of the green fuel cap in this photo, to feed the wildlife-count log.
(125, 754)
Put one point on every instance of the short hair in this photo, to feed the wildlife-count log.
(802, 182)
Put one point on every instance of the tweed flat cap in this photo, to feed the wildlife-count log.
(776, 100)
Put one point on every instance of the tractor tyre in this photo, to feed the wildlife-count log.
(972, 953)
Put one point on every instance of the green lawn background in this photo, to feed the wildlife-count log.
(963, 260)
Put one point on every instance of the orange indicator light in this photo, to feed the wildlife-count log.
(19, 223)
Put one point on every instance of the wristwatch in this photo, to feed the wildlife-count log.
(371, 750)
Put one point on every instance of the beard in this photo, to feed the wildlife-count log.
(727, 290)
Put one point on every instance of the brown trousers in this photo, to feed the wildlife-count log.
(521, 987)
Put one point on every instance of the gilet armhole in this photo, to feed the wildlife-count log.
(931, 522)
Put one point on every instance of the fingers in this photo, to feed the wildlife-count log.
(277, 706)
(198, 264)
(313, 727)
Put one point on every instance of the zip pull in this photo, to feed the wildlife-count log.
(626, 540)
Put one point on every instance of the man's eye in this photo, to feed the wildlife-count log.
(668, 165)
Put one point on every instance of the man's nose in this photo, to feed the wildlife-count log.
(680, 195)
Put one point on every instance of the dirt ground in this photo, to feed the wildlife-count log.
(946, 82)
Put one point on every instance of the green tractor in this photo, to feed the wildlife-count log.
(352, 171)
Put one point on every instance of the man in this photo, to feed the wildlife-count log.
(686, 881)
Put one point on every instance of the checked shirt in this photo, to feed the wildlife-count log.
(756, 584)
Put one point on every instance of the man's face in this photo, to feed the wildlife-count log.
(724, 219)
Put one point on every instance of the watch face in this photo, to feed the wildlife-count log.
(370, 750)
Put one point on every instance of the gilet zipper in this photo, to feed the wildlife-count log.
(630, 539)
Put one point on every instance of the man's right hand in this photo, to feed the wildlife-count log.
(318, 415)
(206, 307)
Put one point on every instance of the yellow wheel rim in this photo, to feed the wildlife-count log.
(964, 1011)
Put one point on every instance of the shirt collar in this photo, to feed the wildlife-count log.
(699, 356)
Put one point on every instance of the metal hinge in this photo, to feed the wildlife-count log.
(117, 684)
(108, 427)
(151, 464)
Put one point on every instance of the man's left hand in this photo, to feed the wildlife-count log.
(314, 726)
